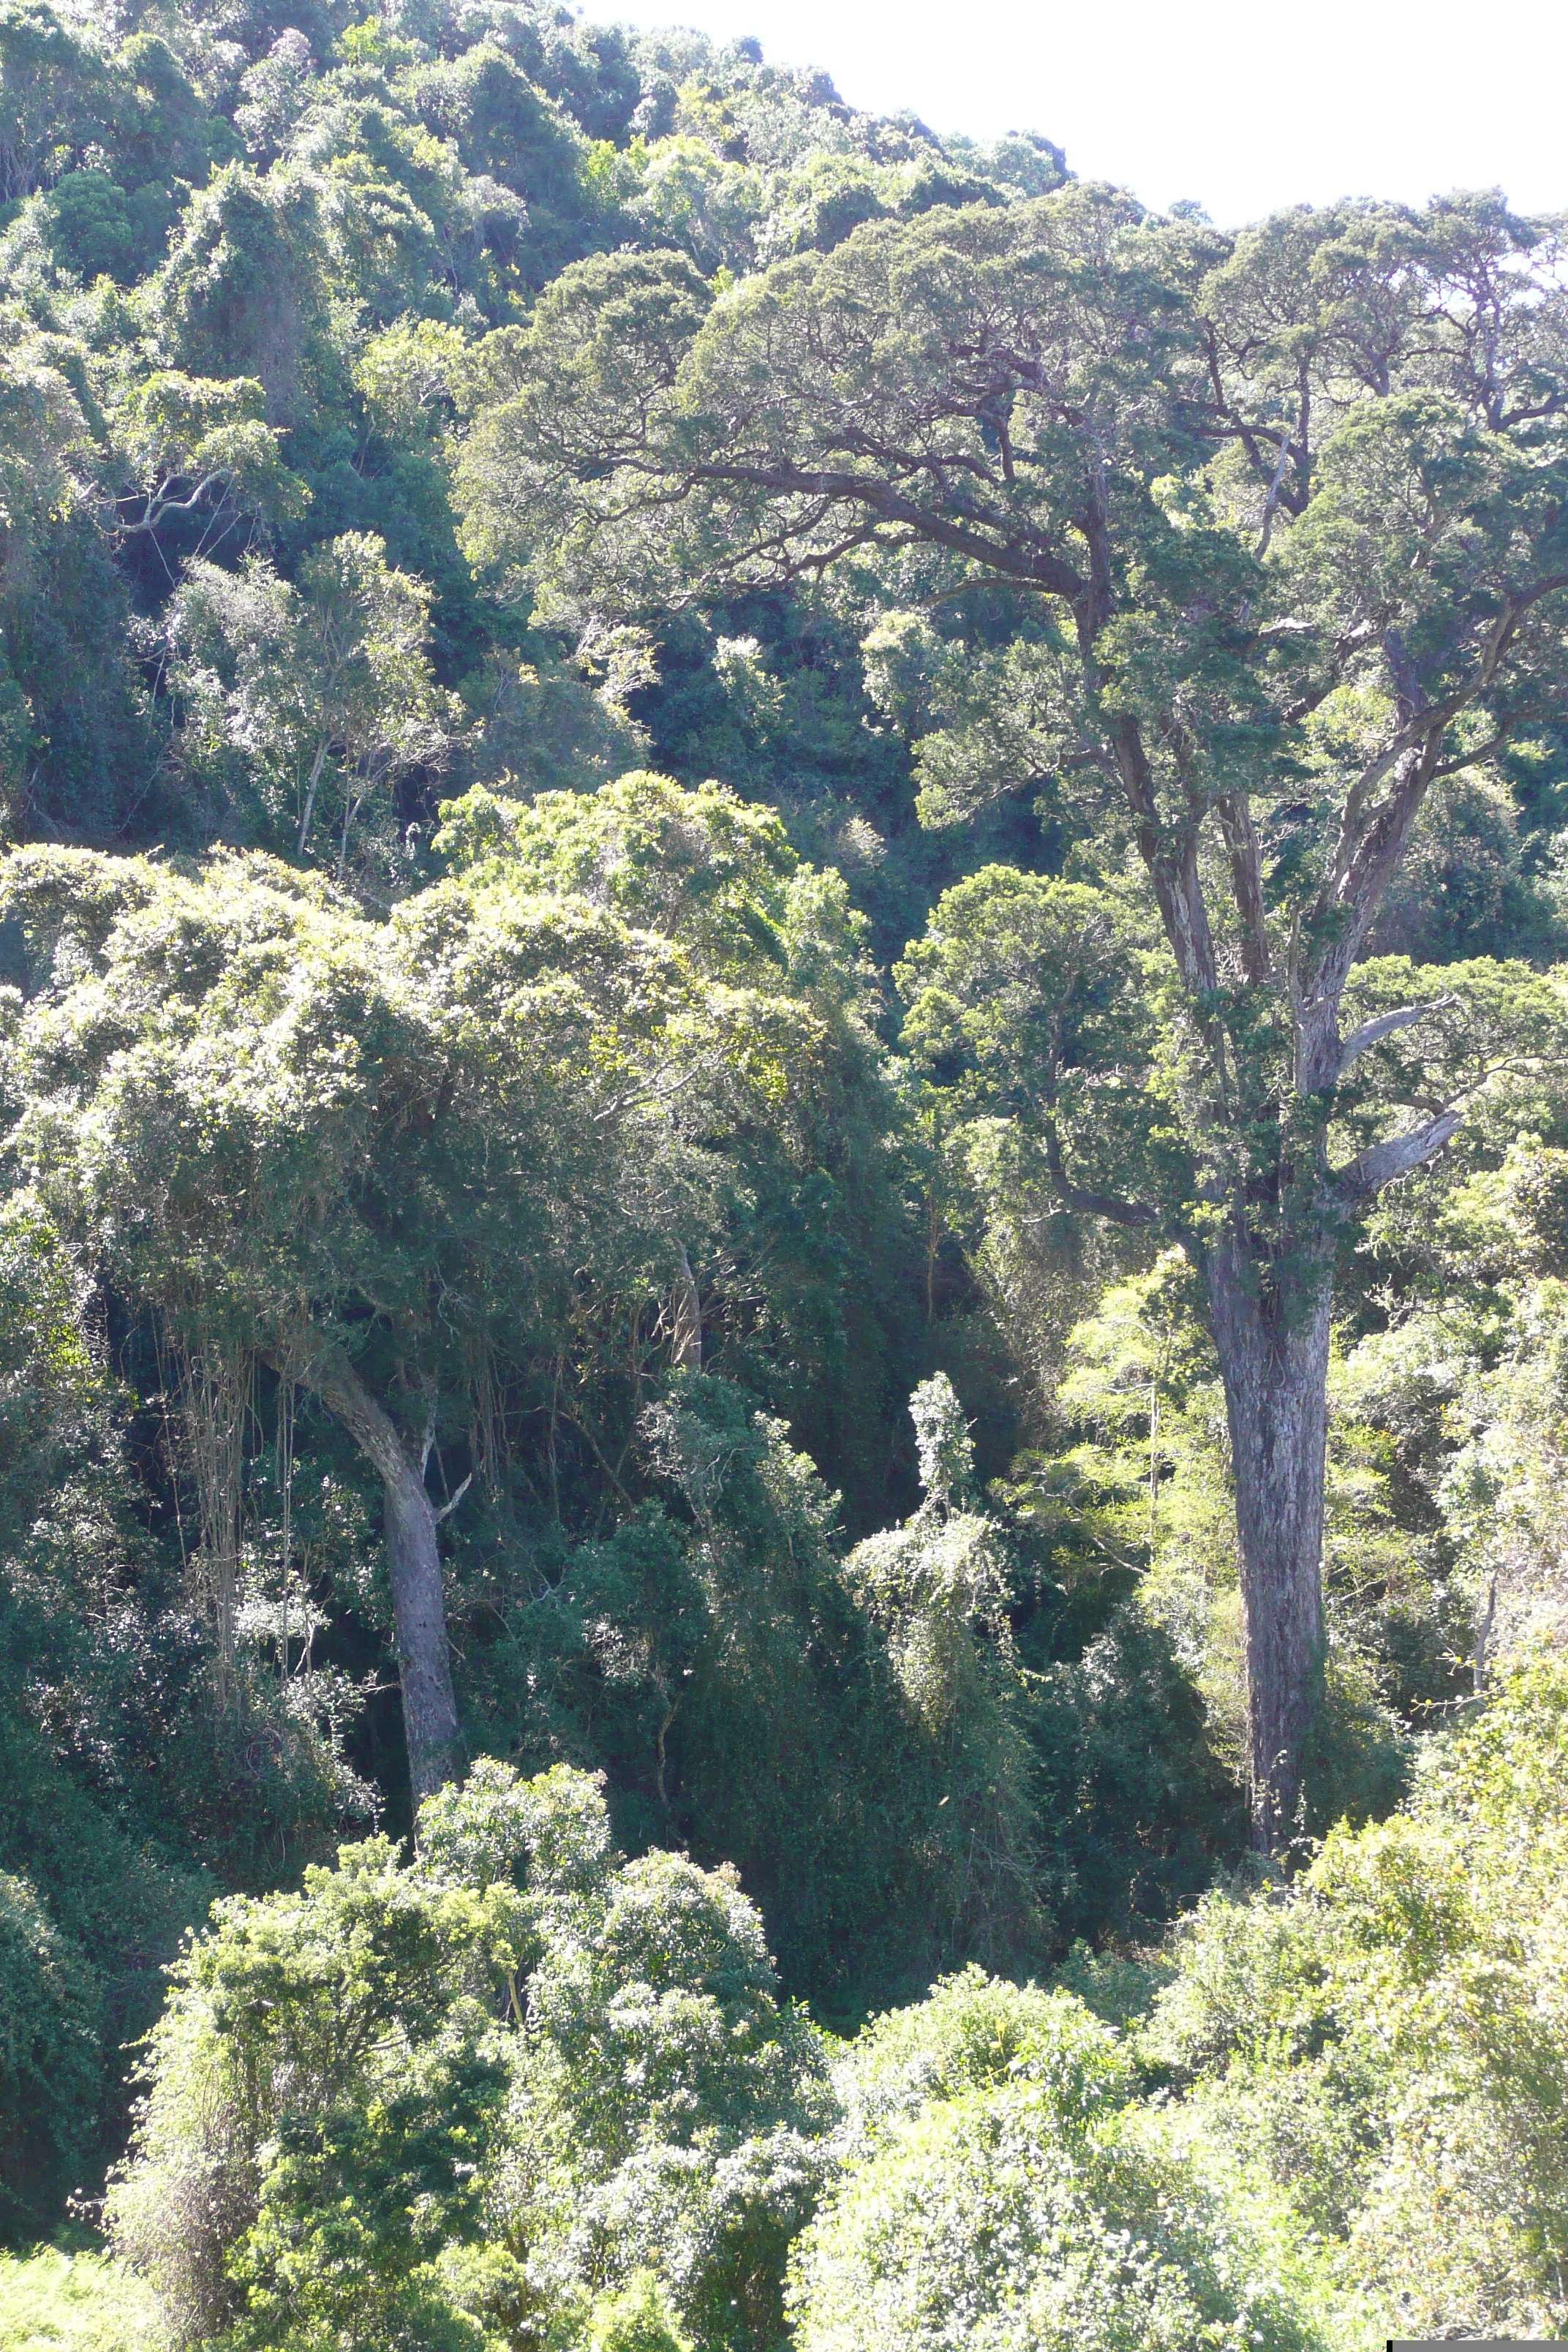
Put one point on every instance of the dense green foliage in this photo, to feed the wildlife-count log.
(56, 2302)
(523, 2091)
(576, 964)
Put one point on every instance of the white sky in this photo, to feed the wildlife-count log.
(1241, 104)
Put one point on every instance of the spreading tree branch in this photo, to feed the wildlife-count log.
(1384, 1025)
(1384, 1163)
(1090, 1205)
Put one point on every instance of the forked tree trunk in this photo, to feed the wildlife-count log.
(424, 1659)
(1273, 1346)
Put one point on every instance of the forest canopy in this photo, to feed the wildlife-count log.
(784, 1263)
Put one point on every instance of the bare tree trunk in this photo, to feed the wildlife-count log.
(686, 1352)
(217, 1392)
(424, 1660)
(1483, 1640)
(1273, 1345)
(317, 764)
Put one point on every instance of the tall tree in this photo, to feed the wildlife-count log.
(387, 1159)
(331, 1145)
(1281, 520)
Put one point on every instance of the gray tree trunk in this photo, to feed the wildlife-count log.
(1273, 1346)
(316, 766)
(686, 1350)
(424, 1659)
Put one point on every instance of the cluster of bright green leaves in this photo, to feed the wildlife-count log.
(466, 2102)
(320, 2084)
(702, 868)
(1003, 2189)
(1390, 2038)
(1366, 2122)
